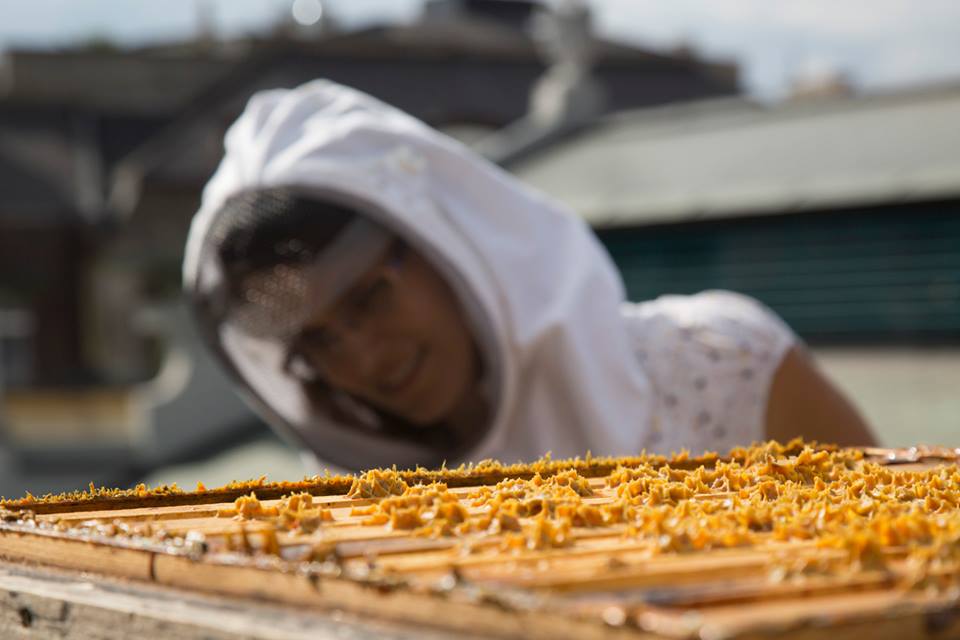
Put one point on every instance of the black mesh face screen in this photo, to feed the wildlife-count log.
(258, 230)
(261, 241)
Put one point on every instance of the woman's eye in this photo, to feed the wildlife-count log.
(318, 341)
(376, 296)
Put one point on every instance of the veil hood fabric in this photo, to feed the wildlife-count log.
(531, 275)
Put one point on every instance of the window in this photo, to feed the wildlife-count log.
(16, 347)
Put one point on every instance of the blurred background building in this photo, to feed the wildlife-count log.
(839, 209)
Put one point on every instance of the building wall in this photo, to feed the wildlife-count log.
(907, 394)
(875, 275)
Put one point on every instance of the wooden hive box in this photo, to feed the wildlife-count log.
(789, 541)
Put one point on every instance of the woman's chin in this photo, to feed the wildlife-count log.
(435, 410)
(436, 394)
(426, 417)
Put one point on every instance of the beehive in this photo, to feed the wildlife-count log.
(766, 541)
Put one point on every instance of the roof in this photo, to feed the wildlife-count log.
(729, 157)
(111, 81)
(163, 79)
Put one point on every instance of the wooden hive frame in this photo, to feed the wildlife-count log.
(607, 583)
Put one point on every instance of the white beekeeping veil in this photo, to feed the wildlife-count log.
(542, 296)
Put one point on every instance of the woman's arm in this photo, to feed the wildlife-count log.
(803, 402)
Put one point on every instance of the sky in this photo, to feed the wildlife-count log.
(880, 45)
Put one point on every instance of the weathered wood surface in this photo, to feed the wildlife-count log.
(42, 602)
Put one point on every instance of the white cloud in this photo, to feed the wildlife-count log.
(880, 43)
(44, 23)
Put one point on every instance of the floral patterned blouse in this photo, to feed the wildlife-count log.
(711, 359)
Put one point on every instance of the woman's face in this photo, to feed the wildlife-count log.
(397, 339)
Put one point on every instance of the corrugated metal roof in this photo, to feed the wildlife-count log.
(722, 158)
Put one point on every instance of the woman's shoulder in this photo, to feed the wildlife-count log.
(717, 313)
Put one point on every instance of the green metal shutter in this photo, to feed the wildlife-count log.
(890, 273)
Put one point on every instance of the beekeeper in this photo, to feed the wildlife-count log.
(382, 295)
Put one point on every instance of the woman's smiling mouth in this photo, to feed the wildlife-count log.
(401, 377)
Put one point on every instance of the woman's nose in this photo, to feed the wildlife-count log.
(361, 355)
